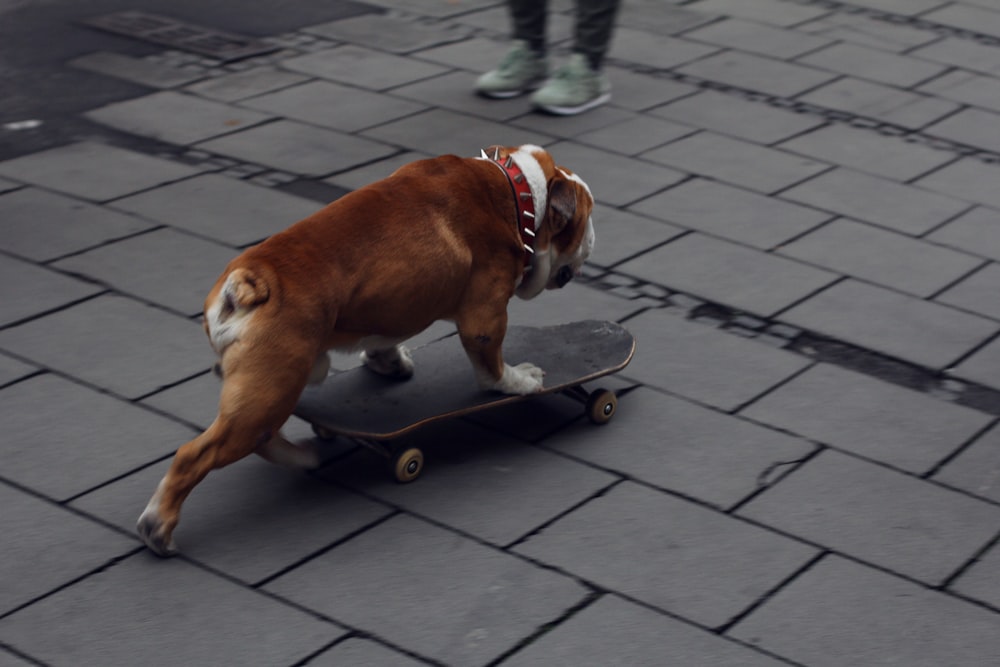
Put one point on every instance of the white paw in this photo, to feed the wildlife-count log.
(395, 362)
(521, 379)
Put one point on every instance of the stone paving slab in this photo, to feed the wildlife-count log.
(883, 517)
(386, 32)
(732, 213)
(974, 232)
(116, 617)
(880, 102)
(869, 417)
(176, 118)
(747, 71)
(701, 565)
(221, 208)
(982, 365)
(730, 274)
(842, 613)
(976, 293)
(634, 135)
(54, 443)
(657, 51)
(737, 117)
(92, 171)
(882, 257)
(901, 326)
(980, 582)
(405, 571)
(573, 127)
(663, 18)
(41, 226)
(757, 38)
(12, 370)
(354, 651)
(251, 520)
(962, 53)
(967, 88)
(772, 12)
(452, 91)
(640, 92)
(241, 85)
(736, 162)
(504, 485)
(853, 194)
(169, 268)
(571, 303)
(299, 148)
(27, 290)
(627, 234)
(710, 366)
(966, 179)
(375, 171)
(869, 152)
(107, 341)
(47, 547)
(136, 70)
(977, 468)
(363, 67)
(971, 127)
(333, 105)
(679, 446)
(978, 20)
(440, 132)
(613, 183)
(859, 29)
(613, 631)
(873, 65)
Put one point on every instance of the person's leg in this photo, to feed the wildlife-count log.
(529, 20)
(524, 67)
(579, 84)
(594, 24)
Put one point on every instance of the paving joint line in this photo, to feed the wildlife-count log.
(813, 345)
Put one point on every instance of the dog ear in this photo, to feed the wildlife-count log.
(562, 204)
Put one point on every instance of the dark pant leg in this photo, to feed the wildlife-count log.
(595, 21)
(529, 17)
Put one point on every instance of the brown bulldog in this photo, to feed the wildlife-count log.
(447, 238)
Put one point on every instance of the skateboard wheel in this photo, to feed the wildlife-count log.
(408, 464)
(323, 433)
(601, 406)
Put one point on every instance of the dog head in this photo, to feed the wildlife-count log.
(564, 230)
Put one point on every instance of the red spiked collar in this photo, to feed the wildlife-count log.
(523, 199)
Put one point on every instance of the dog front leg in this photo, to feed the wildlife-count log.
(482, 338)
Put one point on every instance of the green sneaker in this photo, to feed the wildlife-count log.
(574, 88)
(520, 71)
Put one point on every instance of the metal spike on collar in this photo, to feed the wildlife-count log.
(496, 153)
(509, 162)
(482, 154)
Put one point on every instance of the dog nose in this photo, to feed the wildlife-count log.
(564, 275)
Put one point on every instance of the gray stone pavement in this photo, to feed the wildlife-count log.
(798, 219)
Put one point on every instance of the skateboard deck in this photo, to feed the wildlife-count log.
(366, 406)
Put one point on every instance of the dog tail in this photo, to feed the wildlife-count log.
(244, 289)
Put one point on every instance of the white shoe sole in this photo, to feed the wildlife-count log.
(572, 111)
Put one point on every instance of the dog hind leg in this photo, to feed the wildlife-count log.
(258, 395)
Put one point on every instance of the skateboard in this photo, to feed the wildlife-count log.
(374, 410)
